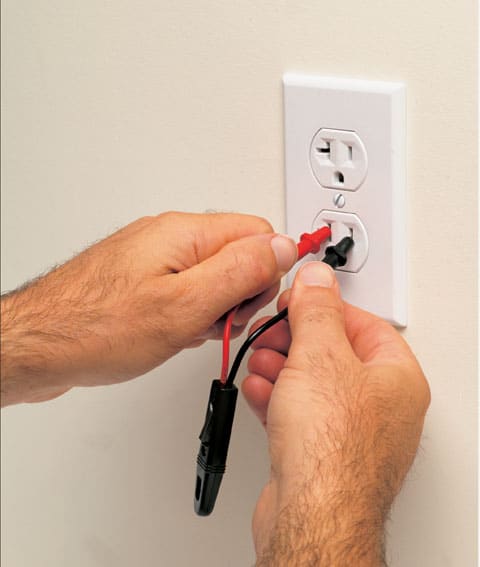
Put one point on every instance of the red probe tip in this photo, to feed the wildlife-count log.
(310, 242)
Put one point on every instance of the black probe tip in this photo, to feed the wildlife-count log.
(336, 256)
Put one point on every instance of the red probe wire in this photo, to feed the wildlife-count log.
(309, 244)
(227, 333)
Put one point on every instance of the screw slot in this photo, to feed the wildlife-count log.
(339, 201)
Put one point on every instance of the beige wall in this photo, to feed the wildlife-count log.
(116, 109)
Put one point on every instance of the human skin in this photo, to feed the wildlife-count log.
(136, 298)
(343, 412)
(343, 401)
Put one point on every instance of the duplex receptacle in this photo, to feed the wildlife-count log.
(341, 225)
(345, 167)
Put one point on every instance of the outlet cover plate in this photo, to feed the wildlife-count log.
(375, 111)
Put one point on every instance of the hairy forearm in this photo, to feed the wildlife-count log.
(38, 340)
(17, 367)
(343, 528)
(24, 348)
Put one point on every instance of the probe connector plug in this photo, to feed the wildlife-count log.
(336, 256)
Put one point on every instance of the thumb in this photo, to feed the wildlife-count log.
(240, 270)
(315, 313)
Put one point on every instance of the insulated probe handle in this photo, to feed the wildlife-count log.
(214, 440)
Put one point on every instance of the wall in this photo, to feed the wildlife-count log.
(117, 109)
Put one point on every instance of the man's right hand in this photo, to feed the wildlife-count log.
(343, 400)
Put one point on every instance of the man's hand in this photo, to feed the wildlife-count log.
(343, 400)
(131, 301)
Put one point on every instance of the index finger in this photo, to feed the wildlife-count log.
(373, 340)
(200, 236)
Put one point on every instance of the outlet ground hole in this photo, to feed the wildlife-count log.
(338, 177)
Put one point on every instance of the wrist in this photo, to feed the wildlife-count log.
(26, 375)
(325, 523)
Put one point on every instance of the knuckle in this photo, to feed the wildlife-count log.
(425, 394)
(403, 392)
(318, 314)
(131, 227)
(145, 219)
(168, 217)
(248, 265)
(264, 224)
(380, 328)
(261, 224)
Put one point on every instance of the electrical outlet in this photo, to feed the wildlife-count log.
(338, 159)
(345, 167)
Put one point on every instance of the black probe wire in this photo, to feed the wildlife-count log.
(336, 256)
(250, 339)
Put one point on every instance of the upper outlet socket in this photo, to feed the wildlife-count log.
(338, 159)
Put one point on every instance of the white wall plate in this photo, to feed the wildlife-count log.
(345, 154)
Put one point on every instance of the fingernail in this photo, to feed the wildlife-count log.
(285, 251)
(317, 273)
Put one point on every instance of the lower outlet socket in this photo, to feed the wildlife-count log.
(341, 225)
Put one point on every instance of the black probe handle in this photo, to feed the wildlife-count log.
(214, 441)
